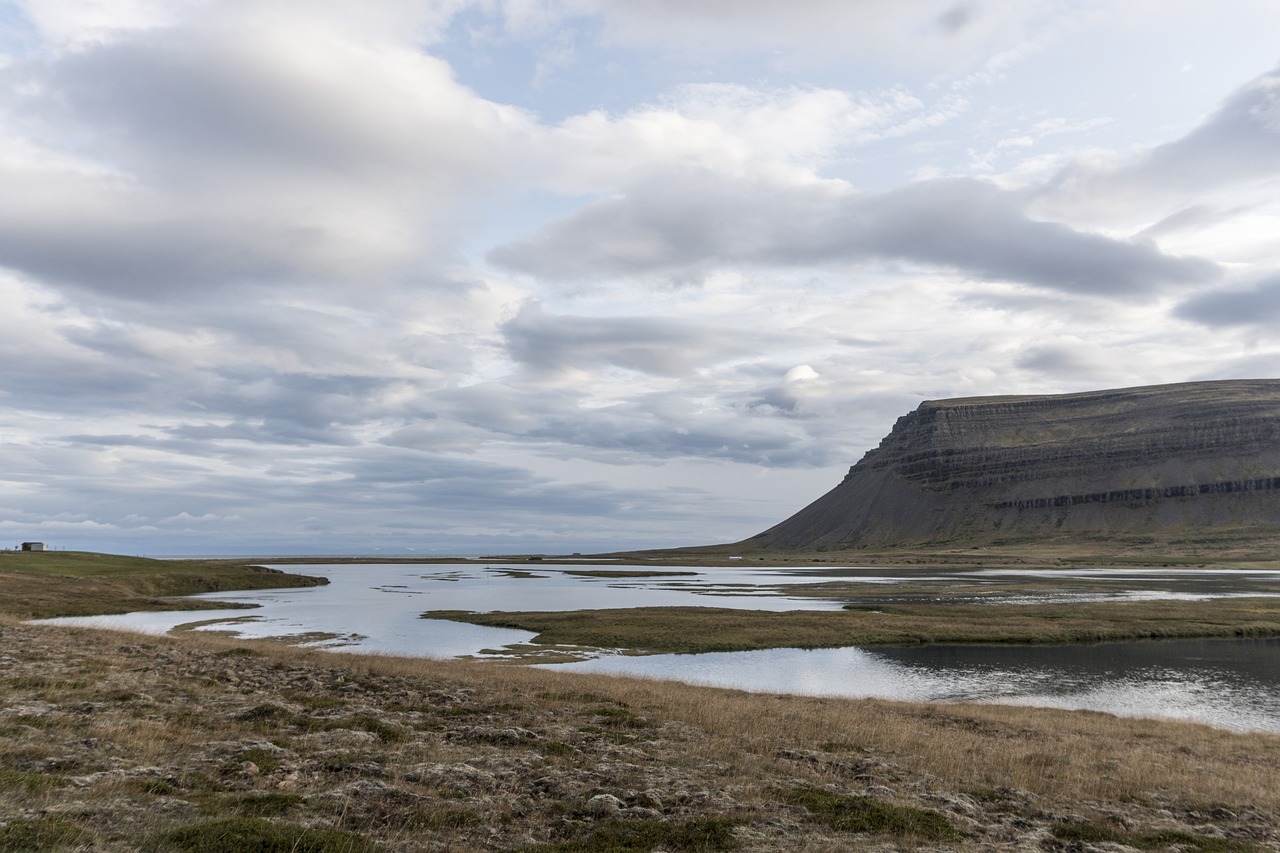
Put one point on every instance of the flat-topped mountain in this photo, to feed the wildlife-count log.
(1161, 458)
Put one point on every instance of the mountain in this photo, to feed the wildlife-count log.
(1186, 457)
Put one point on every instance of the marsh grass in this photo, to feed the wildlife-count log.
(709, 629)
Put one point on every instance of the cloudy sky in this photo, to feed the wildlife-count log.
(474, 276)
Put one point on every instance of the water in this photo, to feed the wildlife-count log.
(1232, 684)
(376, 608)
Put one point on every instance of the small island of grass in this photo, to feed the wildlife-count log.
(687, 630)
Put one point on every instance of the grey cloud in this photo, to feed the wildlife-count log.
(1248, 306)
(655, 345)
(1075, 360)
(679, 228)
(659, 425)
(132, 256)
(1239, 142)
(207, 156)
(956, 18)
(978, 229)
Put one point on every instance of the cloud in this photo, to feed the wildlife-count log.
(1072, 359)
(1238, 142)
(656, 345)
(679, 226)
(1236, 146)
(745, 132)
(1254, 305)
(230, 151)
(913, 33)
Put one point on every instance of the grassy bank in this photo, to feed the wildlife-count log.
(77, 583)
(708, 629)
(114, 742)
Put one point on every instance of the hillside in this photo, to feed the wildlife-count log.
(1184, 458)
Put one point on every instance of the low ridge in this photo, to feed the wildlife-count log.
(1169, 457)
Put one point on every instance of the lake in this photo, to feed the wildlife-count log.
(375, 608)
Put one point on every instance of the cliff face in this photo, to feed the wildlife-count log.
(1188, 456)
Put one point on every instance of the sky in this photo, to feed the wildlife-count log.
(425, 277)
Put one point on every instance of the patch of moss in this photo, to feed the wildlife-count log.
(150, 787)
(1093, 833)
(385, 732)
(41, 833)
(839, 746)
(864, 814)
(31, 781)
(260, 836)
(703, 835)
(315, 703)
(618, 718)
(265, 804)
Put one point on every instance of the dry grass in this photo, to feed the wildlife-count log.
(1077, 754)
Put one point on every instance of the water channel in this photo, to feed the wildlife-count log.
(376, 608)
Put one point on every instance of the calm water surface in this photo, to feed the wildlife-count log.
(375, 608)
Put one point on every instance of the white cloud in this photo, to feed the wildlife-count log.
(201, 157)
(676, 225)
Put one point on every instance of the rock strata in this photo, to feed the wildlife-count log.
(1203, 455)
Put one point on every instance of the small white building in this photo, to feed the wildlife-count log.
(33, 546)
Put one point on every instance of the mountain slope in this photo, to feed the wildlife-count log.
(1159, 458)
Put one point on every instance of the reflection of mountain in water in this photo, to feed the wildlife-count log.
(1195, 456)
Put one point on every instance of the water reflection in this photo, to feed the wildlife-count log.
(1232, 684)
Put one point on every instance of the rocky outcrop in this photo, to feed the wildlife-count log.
(1188, 456)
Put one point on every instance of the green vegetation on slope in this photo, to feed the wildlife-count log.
(78, 583)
